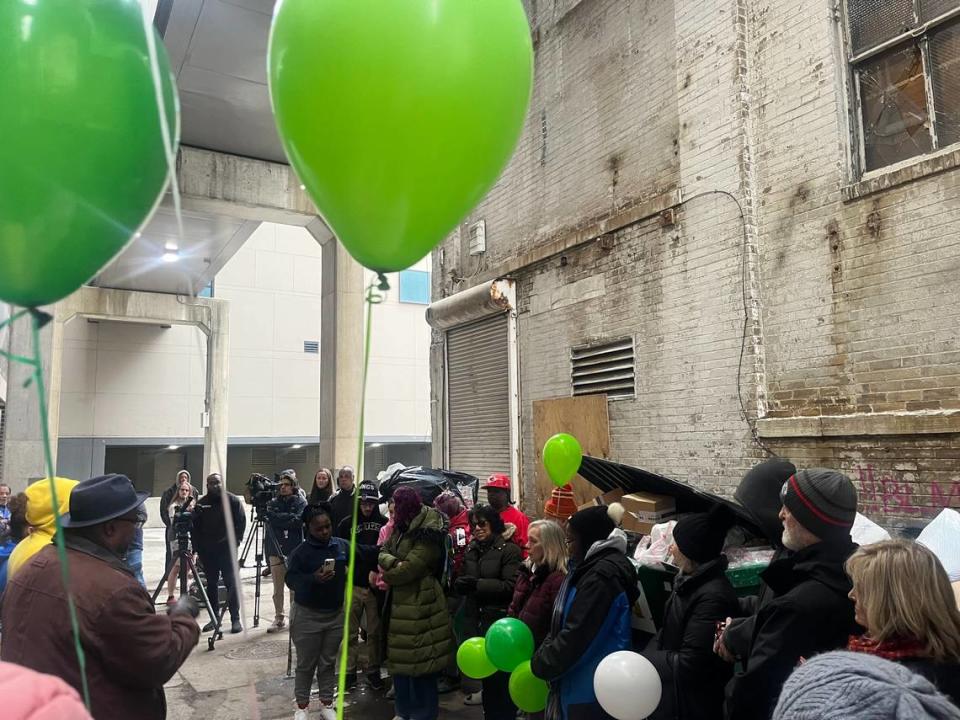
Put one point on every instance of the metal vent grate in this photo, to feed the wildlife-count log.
(263, 459)
(478, 238)
(295, 456)
(607, 368)
(311, 346)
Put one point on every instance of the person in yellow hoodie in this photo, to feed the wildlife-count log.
(40, 520)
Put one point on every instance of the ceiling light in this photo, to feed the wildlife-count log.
(171, 256)
(173, 447)
(374, 445)
(296, 447)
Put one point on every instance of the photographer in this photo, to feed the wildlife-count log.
(284, 514)
(212, 544)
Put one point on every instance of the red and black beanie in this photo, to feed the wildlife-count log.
(823, 501)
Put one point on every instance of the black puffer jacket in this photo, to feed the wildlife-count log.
(682, 651)
(809, 613)
(285, 513)
(495, 565)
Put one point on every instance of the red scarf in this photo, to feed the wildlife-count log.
(896, 649)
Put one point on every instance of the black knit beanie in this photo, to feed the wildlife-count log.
(591, 525)
(700, 536)
(823, 501)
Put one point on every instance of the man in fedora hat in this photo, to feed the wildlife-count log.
(130, 650)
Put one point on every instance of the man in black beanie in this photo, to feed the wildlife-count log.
(702, 596)
(809, 612)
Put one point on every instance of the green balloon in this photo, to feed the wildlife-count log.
(398, 116)
(82, 162)
(472, 659)
(528, 692)
(509, 643)
(562, 455)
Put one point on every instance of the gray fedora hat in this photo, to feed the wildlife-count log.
(100, 499)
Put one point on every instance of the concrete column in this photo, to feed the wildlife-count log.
(341, 350)
(23, 459)
(217, 393)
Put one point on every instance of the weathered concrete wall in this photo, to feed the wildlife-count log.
(846, 287)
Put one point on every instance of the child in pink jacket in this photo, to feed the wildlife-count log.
(29, 695)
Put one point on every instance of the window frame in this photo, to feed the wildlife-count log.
(407, 300)
(920, 35)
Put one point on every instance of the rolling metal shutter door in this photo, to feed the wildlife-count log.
(478, 397)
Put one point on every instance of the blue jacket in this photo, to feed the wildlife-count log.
(591, 619)
(305, 560)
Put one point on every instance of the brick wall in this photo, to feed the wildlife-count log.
(850, 304)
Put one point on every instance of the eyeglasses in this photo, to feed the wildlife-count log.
(479, 524)
(136, 522)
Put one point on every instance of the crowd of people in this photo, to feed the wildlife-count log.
(835, 630)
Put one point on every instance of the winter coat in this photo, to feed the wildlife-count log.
(305, 560)
(341, 505)
(682, 652)
(533, 598)
(29, 695)
(40, 518)
(318, 496)
(945, 676)
(460, 537)
(809, 613)
(591, 619)
(368, 536)
(513, 516)
(739, 633)
(285, 515)
(130, 651)
(385, 532)
(209, 525)
(166, 500)
(495, 564)
(418, 628)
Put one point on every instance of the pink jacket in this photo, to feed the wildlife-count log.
(29, 695)
(376, 578)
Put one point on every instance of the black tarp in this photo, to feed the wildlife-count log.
(430, 482)
(607, 476)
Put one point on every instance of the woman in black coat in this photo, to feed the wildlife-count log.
(693, 676)
(490, 567)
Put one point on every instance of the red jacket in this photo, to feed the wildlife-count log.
(460, 535)
(521, 522)
(533, 598)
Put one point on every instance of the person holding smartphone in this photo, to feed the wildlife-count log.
(317, 574)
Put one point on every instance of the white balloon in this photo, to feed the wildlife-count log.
(627, 686)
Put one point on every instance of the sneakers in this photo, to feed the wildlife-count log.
(236, 627)
(265, 573)
(209, 626)
(375, 681)
(475, 698)
(279, 624)
(328, 712)
(301, 714)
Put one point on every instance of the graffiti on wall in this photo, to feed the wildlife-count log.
(903, 494)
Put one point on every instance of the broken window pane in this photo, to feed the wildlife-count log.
(875, 21)
(945, 77)
(896, 124)
(930, 9)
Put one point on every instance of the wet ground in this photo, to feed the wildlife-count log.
(244, 676)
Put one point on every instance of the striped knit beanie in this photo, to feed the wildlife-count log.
(561, 504)
(823, 501)
(857, 686)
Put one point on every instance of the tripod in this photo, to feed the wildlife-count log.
(257, 539)
(182, 523)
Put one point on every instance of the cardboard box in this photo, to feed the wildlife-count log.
(632, 523)
(649, 507)
(605, 499)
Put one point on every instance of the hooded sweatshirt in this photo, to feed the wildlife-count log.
(40, 517)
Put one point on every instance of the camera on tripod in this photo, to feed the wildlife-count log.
(183, 520)
(262, 490)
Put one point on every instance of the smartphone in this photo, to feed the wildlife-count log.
(329, 565)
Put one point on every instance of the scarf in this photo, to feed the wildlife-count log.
(894, 649)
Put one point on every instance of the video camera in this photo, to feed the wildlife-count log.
(263, 490)
(183, 520)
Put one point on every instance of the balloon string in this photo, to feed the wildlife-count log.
(168, 142)
(373, 297)
(36, 363)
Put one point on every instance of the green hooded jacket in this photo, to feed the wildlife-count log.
(418, 631)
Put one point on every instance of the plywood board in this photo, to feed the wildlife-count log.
(585, 417)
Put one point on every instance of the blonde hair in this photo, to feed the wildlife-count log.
(554, 542)
(904, 593)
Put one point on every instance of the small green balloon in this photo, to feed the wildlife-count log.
(528, 692)
(509, 643)
(472, 659)
(398, 116)
(562, 456)
(82, 162)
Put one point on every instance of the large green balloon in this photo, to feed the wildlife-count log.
(82, 162)
(562, 456)
(509, 643)
(472, 659)
(528, 692)
(398, 116)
